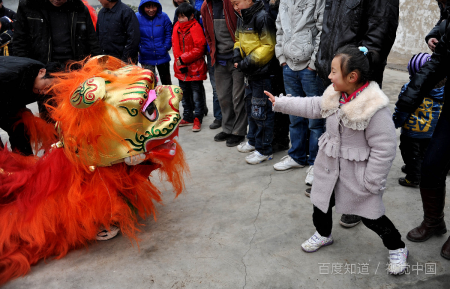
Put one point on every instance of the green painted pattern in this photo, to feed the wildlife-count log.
(133, 111)
(134, 92)
(140, 140)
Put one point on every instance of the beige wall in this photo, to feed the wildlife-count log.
(417, 17)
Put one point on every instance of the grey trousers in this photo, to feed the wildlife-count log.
(230, 92)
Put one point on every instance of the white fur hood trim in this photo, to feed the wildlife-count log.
(357, 113)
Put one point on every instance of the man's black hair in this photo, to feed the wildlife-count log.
(185, 9)
(52, 67)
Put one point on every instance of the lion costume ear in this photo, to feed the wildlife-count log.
(88, 93)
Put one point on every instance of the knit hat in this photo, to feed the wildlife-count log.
(416, 62)
(6, 23)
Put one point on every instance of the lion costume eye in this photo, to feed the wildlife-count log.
(151, 112)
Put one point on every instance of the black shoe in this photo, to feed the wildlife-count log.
(205, 110)
(216, 124)
(221, 136)
(277, 147)
(308, 192)
(406, 183)
(349, 221)
(235, 140)
(404, 169)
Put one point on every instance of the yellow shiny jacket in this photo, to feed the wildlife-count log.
(255, 39)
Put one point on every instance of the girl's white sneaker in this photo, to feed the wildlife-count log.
(315, 242)
(397, 261)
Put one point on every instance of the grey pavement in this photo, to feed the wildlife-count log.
(241, 226)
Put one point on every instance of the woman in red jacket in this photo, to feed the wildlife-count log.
(189, 46)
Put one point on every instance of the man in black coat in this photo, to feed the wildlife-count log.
(436, 163)
(369, 23)
(433, 37)
(118, 30)
(7, 12)
(54, 30)
(23, 81)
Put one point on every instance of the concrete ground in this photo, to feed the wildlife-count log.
(241, 226)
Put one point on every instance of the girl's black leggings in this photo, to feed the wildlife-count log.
(382, 226)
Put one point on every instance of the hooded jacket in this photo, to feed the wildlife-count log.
(189, 44)
(17, 75)
(299, 27)
(369, 23)
(422, 122)
(208, 24)
(32, 31)
(118, 32)
(8, 13)
(432, 72)
(254, 45)
(156, 35)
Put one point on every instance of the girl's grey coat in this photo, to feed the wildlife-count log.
(355, 152)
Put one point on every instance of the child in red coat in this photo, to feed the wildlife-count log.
(189, 46)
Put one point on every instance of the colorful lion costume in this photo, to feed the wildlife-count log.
(108, 118)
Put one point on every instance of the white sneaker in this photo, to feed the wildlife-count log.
(286, 163)
(310, 176)
(397, 261)
(315, 242)
(245, 147)
(256, 158)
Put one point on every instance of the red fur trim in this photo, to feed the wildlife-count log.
(42, 134)
(48, 207)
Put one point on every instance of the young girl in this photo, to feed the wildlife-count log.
(355, 153)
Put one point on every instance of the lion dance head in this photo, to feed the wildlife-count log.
(113, 129)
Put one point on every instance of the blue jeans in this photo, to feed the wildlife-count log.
(216, 106)
(260, 115)
(193, 100)
(303, 83)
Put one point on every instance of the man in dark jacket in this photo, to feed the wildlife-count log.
(436, 163)
(118, 30)
(22, 81)
(219, 21)
(7, 12)
(369, 23)
(54, 30)
(432, 38)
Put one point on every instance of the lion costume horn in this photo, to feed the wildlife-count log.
(55, 203)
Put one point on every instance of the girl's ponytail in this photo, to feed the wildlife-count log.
(374, 62)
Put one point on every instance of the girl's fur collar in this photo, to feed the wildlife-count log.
(357, 113)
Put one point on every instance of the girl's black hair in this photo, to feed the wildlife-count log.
(353, 59)
(185, 9)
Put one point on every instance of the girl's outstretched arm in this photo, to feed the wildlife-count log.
(309, 107)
